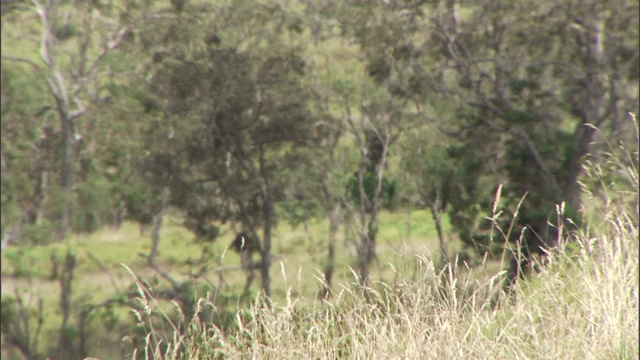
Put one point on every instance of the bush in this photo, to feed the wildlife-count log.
(38, 234)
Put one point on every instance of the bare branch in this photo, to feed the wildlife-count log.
(47, 35)
(103, 268)
(81, 109)
(59, 84)
(32, 63)
(42, 110)
(164, 274)
(109, 46)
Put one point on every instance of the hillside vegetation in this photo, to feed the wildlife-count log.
(583, 304)
(319, 179)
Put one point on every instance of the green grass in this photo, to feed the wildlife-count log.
(299, 257)
(112, 247)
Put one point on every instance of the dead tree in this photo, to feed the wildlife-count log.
(246, 245)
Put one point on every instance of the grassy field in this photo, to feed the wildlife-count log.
(299, 258)
(400, 232)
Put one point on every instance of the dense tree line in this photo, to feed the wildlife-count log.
(190, 97)
(214, 108)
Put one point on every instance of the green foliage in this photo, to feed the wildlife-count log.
(20, 264)
(9, 312)
(65, 31)
(24, 152)
(148, 102)
(38, 234)
(141, 203)
(300, 210)
(512, 126)
(95, 204)
(369, 183)
(234, 113)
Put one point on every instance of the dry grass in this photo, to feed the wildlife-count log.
(584, 305)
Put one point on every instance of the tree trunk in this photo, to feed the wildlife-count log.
(266, 251)
(597, 106)
(334, 223)
(157, 225)
(119, 213)
(572, 190)
(437, 206)
(249, 268)
(367, 249)
(66, 279)
(66, 174)
(364, 251)
(437, 220)
(43, 195)
(268, 217)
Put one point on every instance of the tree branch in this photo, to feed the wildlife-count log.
(108, 46)
(533, 151)
(32, 63)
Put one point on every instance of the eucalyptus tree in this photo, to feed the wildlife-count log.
(235, 111)
(545, 81)
(430, 175)
(71, 79)
(522, 85)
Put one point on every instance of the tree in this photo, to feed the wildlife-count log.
(526, 82)
(373, 137)
(237, 115)
(542, 104)
(372, 126)
(431, 174)
(69, 93)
